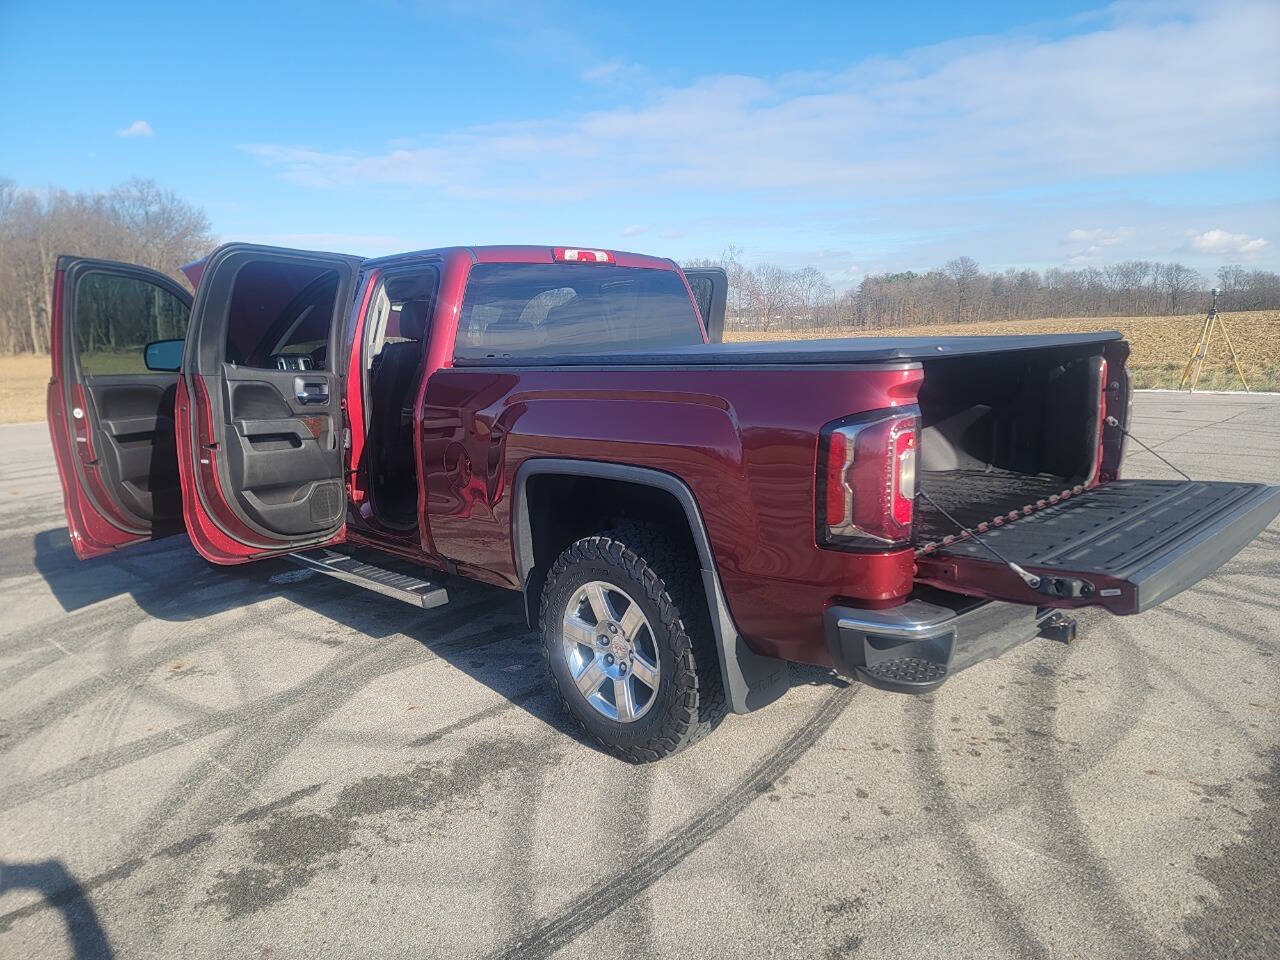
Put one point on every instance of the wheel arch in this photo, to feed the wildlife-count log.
(750, 679)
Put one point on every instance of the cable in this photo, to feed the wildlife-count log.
(1030, 579)
(1113, 422)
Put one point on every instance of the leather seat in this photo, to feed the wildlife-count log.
(391, 379)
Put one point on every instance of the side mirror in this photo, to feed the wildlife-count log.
(165, 355)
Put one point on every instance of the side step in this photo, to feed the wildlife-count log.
(389, 583)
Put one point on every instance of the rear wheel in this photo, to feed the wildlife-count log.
(628, 644)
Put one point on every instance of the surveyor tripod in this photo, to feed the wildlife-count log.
(1212, 323)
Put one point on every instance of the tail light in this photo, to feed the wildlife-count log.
(867, 480)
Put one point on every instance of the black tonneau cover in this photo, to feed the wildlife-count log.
(847, 350)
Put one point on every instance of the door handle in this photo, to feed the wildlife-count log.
(310, 391)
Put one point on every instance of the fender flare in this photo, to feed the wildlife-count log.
(751, 680)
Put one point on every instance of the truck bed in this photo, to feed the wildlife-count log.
(846, 350)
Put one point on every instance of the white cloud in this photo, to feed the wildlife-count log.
(1131, 97)
(1098, 237)
(1219, 241)
(613, 71)
(1090, 246)
(139, 128)
(634, 230)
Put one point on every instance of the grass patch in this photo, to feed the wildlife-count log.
(95, 362)
(23, 381)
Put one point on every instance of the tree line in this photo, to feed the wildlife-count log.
(138, 222)
(768, 297)
(135, 222)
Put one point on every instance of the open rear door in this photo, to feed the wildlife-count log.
(710, 286)
(117, 339)
(260, 412)
(1127, 545)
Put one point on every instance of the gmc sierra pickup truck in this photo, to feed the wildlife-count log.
(683, 516)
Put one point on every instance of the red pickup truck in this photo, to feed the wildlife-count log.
(682, 516)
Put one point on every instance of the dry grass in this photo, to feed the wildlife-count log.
(23, 380)
(1161, 345)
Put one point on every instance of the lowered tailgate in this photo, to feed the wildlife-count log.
(1126, 546)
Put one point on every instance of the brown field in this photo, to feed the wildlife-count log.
(1161, 346)
(22, 384)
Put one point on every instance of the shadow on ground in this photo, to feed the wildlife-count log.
(60, 890)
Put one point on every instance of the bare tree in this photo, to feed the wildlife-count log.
(965, 273)
(1177, 282)
(814, 293)
(774, 293)
(768, 296)
(136, 222)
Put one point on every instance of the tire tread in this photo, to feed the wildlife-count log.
(640, 552)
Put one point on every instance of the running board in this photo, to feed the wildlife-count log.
(389, 583)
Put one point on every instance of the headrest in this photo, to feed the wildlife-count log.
(413, 318)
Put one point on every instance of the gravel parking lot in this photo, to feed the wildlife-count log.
(197, 761)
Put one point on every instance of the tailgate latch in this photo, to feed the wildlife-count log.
(1067, 587)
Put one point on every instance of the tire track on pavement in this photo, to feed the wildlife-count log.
(202, 838)
(654, 861)
(94, 765)
(1002, 907)
(1099, 891)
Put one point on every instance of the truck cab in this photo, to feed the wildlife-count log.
(295, 421)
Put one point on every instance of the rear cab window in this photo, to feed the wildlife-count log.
(540, 309)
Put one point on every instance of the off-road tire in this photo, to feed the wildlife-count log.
(666, 582)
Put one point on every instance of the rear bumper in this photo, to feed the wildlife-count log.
(914, 647)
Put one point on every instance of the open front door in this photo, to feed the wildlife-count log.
(260, 412)
(117, 332)
(710, 286)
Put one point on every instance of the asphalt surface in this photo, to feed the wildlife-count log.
(262, 762)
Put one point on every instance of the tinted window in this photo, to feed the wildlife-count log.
(532, 308)
(702, 289)
(414, 291)
(116, 317)
(280, 316)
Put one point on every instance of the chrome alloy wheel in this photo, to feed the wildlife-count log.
(610, 651)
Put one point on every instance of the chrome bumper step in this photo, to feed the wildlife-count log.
(389, 583)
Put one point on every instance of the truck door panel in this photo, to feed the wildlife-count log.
(137, 452)
(110, 418)
(282, 454)
(265, 456)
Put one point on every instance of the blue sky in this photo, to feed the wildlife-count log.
(855, 137)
